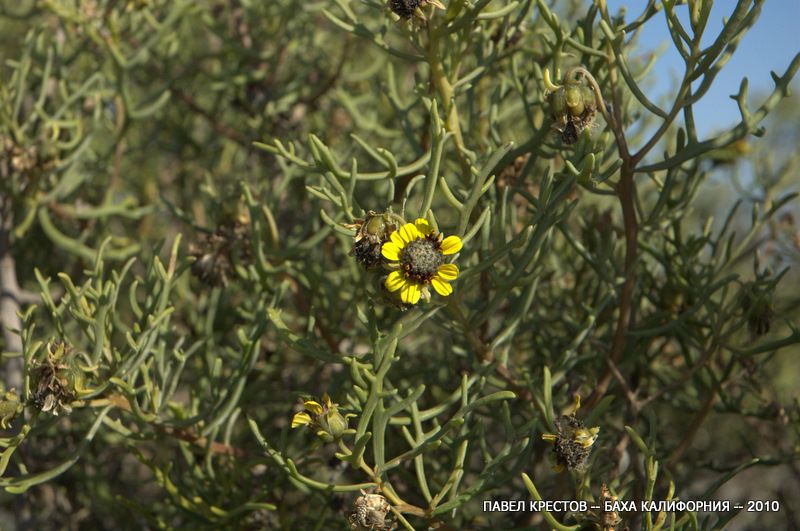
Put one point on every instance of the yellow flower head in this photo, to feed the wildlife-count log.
(324, 417)
(420, 253)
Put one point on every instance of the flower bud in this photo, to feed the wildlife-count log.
(324, 417)
(573, 108)
(10, 407)
(334, 423)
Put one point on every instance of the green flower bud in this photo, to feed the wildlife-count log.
(334, 423)
(10, 407)
(573, 107)
(574, 98)
(558, 103)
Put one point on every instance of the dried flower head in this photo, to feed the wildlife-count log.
(322, 416)
(216, 253)
(757, 305)
(418, 254)
(25, 160)
(406, 9)
(609, 520)
(372, 231)
(572, 442)
(56, 380)
(369, 512)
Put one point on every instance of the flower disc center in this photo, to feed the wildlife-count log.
(421, 259)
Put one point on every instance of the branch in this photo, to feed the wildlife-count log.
(10, 296)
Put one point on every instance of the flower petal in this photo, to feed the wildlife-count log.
(586, 437)
(423, 226)
(408, 233)
(397, 239)
(410, 293)
(313, 406)
(442, 288)
(326, 401)
(394, 281)
(301, 419)
(448, 272)
(391, 251)
(451, 245)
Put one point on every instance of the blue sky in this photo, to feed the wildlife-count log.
(769, 45)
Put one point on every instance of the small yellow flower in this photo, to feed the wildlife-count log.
(420, 253)
(324, 417)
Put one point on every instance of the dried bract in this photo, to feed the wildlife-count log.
(216, 253)
(56, 380)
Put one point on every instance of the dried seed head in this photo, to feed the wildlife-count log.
(609, 520)
(56, 379)
(26, 161)
(367, 253)
(216, 253)
(758, 307)
(404, 8)
(372, 231)
(573, 443)
(369, 512)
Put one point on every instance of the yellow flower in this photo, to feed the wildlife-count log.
(324, 417)
(420, 253)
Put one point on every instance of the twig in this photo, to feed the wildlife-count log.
(183, 434)
(678, 452)
(226, 131)
(10, 297)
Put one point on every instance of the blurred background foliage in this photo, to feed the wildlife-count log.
(177, 180)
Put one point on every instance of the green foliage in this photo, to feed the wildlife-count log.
(182, 184)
